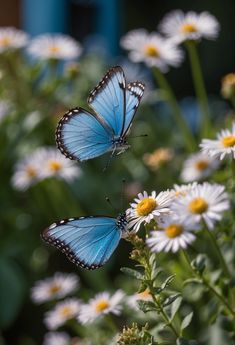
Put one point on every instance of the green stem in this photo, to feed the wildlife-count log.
(113, 327)
(218, 251)
(207, 284)
(176, 111)
(200, 89)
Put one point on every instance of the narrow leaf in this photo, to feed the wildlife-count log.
(133, 273)
(186, 321)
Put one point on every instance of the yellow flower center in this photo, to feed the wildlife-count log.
(144, 295)
(201, 165)
(198, 205)
(54, 49)
(66, 311)
(5, 41)
(54, 289)
(188, 28)
(146, 206)
(228, 141)
(31, 172)
(173, 230)
(54, 165)
(101, 305)
(151, 50)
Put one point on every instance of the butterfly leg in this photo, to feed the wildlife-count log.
(109, 160)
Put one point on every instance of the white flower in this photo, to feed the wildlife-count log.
(11, 38)
(57, 338)
(190, 26)
(141, 296)
(55, 46)
(174, 234)
(58, 286)
(5, 107)
(54, 164)
(198, 166)
(102, 304)
(182, 189)
(205, 202)
(152, 49)
(222, 146)
(62, 312)
(27, 172)
(148, 207)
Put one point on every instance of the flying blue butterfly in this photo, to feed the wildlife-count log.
(87, 241)
(82, 135)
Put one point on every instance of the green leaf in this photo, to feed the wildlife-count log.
(167, 281)
(186, 321)
(192, 280)
(12, 289)
(169, 300)
(175, 306)
(199, 263)
(133, 273)
(183, 341)
(146, 306)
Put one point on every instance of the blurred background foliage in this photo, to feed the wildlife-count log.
(33, 87)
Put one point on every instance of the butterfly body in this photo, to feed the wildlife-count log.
(87, 241)
(82, 135)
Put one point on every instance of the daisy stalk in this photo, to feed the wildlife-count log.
(207, 284)
(176, 111)
(199, 86)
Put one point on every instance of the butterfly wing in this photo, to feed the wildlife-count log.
(87, 241)
(81, 136)
(134, 93)
(108, 99)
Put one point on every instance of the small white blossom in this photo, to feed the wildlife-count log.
(102, 304)
(56, 287)
(198, 166)
(148, 207)
(152, 49)
(205, 202)
(221, 147)
(182, 189)
(62, 312)
(173, 234)
(180, 27)
(57, 338)
(11, 39)
(57, 46)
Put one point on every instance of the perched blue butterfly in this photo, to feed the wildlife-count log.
(87, 241)
(81, 135)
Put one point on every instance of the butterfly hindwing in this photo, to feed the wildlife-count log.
(108, 101)
(134, 93)
(81, 136)
(87, 241)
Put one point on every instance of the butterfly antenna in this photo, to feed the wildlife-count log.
(109, 161)
(138, 136)
(110, 203)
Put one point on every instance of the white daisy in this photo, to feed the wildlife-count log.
(182, 189)
(174, 234)
(148, 207)
(58, 286)
(152, 49)
(141, 296)
(5, 107)
(222, 146)
(102, 304)
(62, 312)
(57, 338)
(198, 166)
(55, 46)
(180, 27)
(54, 164)
(27, 172)
(204, 202)
(11, 39)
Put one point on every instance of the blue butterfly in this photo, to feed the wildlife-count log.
(82, 135)
(87, 241)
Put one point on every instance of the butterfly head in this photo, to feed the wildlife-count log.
(121, 144)
(122, 221)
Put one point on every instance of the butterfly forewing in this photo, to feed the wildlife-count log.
(81, 136)
(134, 93)
(108, 101)
(87, 241)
